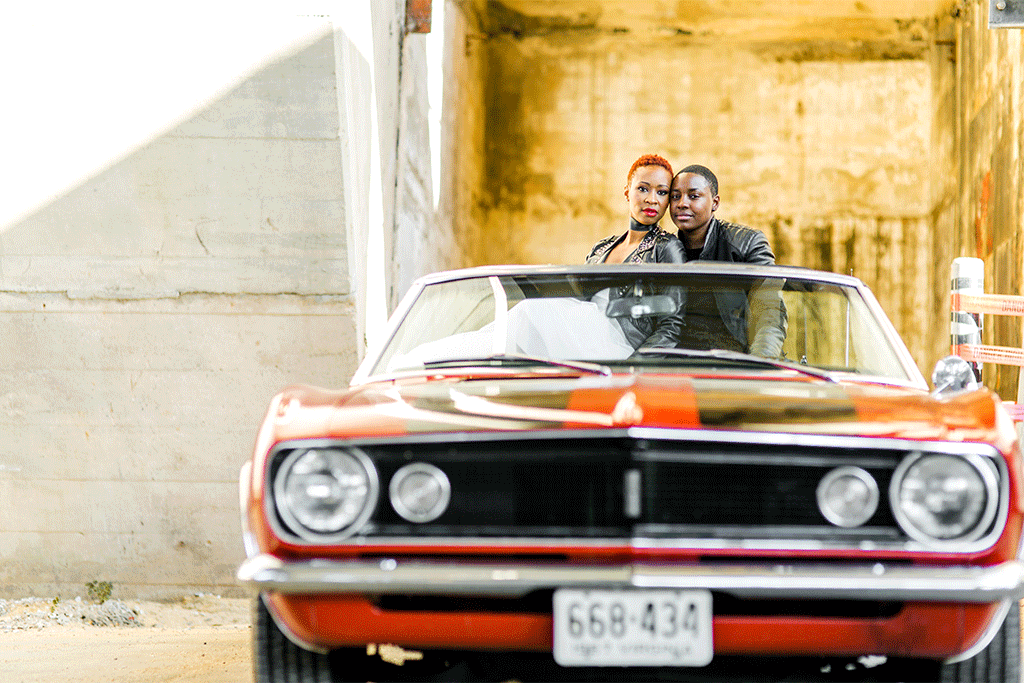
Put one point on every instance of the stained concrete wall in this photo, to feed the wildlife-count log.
(152, 311)
(419, 245)
(461, 209)
(847, 140)
(987, 186)
(831, 158)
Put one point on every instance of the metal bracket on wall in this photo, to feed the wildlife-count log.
(1006, 13)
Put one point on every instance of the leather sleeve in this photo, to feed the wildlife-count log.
(768, 320)
(767, 323)
(666, 329)
(753, 247)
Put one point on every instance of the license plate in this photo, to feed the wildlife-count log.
(632, 627)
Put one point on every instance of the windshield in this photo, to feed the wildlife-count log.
(624, 319)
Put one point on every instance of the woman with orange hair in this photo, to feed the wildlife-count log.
(648, 185)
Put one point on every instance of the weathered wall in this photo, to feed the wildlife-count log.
(464, 133)
(125, 423)
(987, 187)
(420, 245)
(857, 143)
(830, 156)
(152, 311)
(934, 293)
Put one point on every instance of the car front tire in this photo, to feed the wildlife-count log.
(275, 659)
(999, 662)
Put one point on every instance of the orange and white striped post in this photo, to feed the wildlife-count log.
(967, 279)
(968, 302)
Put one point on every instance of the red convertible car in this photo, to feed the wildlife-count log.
(643, 472)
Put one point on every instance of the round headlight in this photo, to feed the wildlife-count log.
(944, 498)
(848, 496)
(420, 492)
(323, 492)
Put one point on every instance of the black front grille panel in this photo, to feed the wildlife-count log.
(573, 496)
(576, 488)
(741, 494)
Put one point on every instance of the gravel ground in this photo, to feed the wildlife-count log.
(199, 610)
(37, 613)
(201, 639)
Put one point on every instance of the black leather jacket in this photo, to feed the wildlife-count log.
(737, 243)
(658, 246)
(762, 305)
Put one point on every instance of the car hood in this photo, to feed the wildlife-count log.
(753, 403)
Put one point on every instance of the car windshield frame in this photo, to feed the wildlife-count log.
(371, 370)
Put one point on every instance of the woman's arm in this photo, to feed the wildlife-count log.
(666, 329)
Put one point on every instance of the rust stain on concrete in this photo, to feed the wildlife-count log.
(982, 235)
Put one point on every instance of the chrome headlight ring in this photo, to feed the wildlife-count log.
(325, 494)
(848, 496)
(420, 492)
(908, 498)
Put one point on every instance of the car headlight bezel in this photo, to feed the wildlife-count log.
(410, 512)
(835, 517)
(982, 529)
(360, 465)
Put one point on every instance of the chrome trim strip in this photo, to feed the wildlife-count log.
(558, 544)
(791, 459)
(632, 493)
(249, 544)
(511, 580)
(500, 337)
(755, 439)
(710, 267)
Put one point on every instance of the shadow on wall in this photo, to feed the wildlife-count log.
(245, 197)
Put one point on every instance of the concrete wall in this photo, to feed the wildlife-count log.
(419, 246)
(831, 157)
(852, 142)
(153, 308)
(461, 210)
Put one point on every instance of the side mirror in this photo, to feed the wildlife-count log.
(953, 374)
(641, 306)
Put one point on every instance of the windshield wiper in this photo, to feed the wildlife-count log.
(593, 368)
(736, 357)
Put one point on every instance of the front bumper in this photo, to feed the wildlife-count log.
(955, 584)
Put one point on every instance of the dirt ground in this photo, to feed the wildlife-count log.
(203, 639)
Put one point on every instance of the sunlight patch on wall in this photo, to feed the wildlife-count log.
(87, 86)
